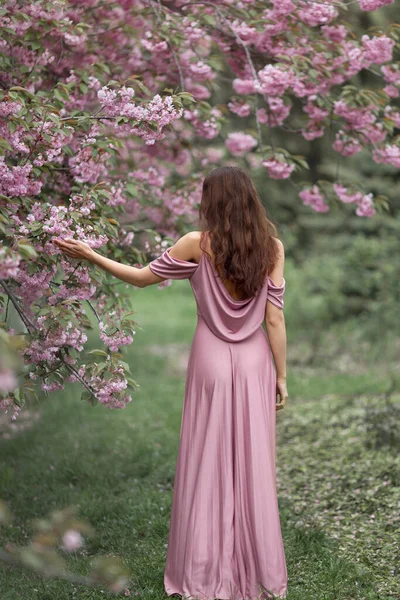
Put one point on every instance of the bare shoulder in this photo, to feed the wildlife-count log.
(193, 235)
(187, 247)
(280, 247)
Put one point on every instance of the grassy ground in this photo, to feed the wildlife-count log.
(338, 471)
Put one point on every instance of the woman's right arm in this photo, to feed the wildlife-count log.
(276, 328)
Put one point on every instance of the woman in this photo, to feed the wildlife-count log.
(225, 538)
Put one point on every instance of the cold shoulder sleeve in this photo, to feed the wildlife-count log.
(168, 267)
(275, 292)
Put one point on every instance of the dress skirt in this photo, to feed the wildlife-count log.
(225, 537)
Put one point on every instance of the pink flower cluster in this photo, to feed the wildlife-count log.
(8, 108)
(108, 391)
(274, 81)
(116, 340)
(364, 202)
(240, 143)
(33, 285)
(9, 263)
(346, 145)
(8, 380)
(55, 338)
(18, 181)
(242, 109)
(374, 4)
(85, 168)
(72, 540)
(316, 13)
(159, 111)
(314, 198)
(363, 121)
(206, 128)
(278, 169)
(357, 118)
(390, 155)
(378, 50)
(276, 114)
(6, 404)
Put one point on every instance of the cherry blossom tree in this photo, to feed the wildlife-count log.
(108, 122)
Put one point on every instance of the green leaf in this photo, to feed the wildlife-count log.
(88, 396)
(27, 250)
(98, 352)
(19, 88)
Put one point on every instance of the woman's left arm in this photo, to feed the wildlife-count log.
(139, 277)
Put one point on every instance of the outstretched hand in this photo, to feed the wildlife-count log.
(281, 391)
(75, 248)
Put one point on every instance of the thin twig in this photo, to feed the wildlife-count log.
(27, 322)
(254, 74)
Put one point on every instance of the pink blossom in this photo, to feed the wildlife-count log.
(207, 129)
(313, 131)
(316, 13)
(314, 198)
(72, 540)
(198, 91)
(345, 196)
(212, 155)
(6, 404)
(85, 168)
(394, 115)
(277, 169)
(274, 81)
(239, 143)
(8, 380)
(357, 118)
(391, 74)
(316, 113)
(365, 207)
(8, 108)
(244, 86)
(373, 4)
(390, 155)
(335, 33)
(9, 263)
(116, 340)
(276, 114)
(200, 71)
(378, 50)
(375, 133)
(391, 91)
(246, 33)
(18, 180)
(346, 145)
(283, 7)
(242, 109)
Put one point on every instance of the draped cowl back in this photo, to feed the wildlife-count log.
(229, 319)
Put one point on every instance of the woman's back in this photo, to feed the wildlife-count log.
(229, 318)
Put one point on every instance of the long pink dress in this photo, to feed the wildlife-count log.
(225, 538)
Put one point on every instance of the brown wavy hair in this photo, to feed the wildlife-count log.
(241, 234)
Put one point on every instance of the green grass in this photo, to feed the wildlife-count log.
(335, 457)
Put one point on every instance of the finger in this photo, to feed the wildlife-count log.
(62, 244)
